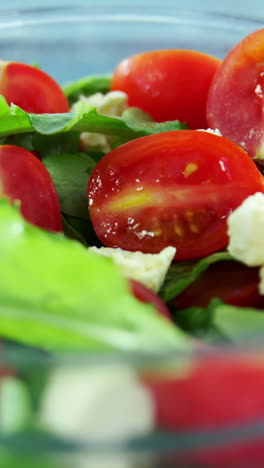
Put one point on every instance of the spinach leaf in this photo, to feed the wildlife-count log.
(25, 140)
(57, 295)
(239, 323)
(222, 322)
(47, 145)
(87, 86)
(70, 174)
(182, 274)
(80, 229)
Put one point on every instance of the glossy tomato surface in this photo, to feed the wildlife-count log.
(235, 99)
(23, 177)
(168, 84)
(31, 89)
(175, 188)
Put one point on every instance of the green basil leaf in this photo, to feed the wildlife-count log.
(57, 295)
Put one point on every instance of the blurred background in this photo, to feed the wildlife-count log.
(32, 37)
(253, 8)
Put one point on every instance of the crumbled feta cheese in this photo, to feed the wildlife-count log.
(133, 114)
(112, 104)
(211, 130)
(246, 231)
(149, 269)
(99, 404)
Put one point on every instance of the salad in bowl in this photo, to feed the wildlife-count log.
(131, 221)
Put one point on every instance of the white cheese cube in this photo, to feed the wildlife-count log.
(211, 130)
(246, 231)
(149, 269)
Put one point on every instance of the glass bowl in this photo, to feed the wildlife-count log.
(70, 43)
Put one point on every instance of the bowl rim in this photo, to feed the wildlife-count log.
(19, 17)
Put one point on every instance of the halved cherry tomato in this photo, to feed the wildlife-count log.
(144, 294)
(232, 282)
(216, 393)
(23, 177)
(175, 188)
(31, 89)
(236, 99)
(168, 84)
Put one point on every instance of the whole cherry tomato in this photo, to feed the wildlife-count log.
(168, 84)
(174, 188)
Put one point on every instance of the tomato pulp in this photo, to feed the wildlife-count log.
(235, 99)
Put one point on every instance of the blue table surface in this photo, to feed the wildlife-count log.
(252, 8)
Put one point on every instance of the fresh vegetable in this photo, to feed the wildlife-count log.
(220, 401)
(182, 274)
(216, 391)
(175, 188)
(87, 86)
(159, 186)
(70, 173)
(24, 178)
(31, 88)
(239, 288)
(235, 98)
(58, 304)
(13, 120)
(168, 84)
(144, 294)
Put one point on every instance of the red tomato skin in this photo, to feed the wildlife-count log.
(217, 393)
(168, 84)
(235, 99)
(232, 282)
(144, 294)
(24, 177)
(175, 188)
(31, 89)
